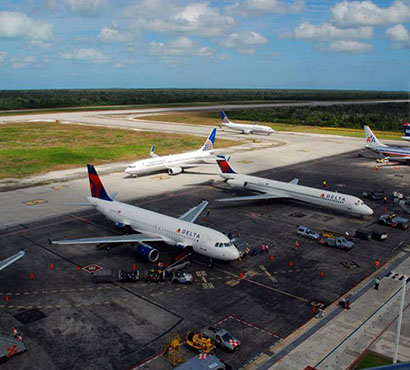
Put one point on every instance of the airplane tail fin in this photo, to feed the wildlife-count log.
(224, 165)
(406, 127)
(96, 186)
(210, 141)
(371, 139)
(225, 119)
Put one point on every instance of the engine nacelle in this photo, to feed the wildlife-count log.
(237, 183)
(147, 253)
(247, 132)
(174, 170)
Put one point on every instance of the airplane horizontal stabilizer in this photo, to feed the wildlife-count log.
(194, 212)
(253, 197)
(8, 261)
(133, 238)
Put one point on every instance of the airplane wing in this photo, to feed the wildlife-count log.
(8, 261)
(194, 212)
(133, 238)
(295, 181)
(399, 159)
(253, 197)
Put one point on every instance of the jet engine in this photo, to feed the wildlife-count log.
(174, 170)
(237, 183)
(147, 253)
(247, 132)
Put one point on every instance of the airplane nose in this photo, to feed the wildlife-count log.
(368, 211)
(233, 254)
(128, 170)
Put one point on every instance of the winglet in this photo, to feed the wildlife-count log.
(210, 141)
(224, 165)
(96, 186)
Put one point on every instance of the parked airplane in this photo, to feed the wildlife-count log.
(272, 189)
(8, 261)
(246, 129)
(155, 227)
(174, 163)
(406, 127)
(393, 153)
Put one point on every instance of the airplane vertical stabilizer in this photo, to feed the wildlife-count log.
(210, 141)
(371, 139)
(225, 119)
(96, 186)
(406, 127)
(225, 166)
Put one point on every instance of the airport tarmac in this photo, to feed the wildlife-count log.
(69, 320)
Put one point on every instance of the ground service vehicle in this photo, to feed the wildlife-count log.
(338, 242)
(363, 234)
(204, 362)
(222, 339)
(374, 195)
(200, 342)
(307, 232)
(181, 277)
(128, 276)
(393, 221)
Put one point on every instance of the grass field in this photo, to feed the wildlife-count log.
(213, 119)
(372, 359)
(32, 148)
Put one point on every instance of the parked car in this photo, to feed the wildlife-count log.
(307, 232)
(339, 242)
(182, 277)
(374, 195)
(222, 339)
(393, 221)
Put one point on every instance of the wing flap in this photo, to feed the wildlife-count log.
(133, 238)
(194, 212)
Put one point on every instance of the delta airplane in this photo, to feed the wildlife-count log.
(174, 163)
(406, 127)
(246, 129)
(8, 261)
(155, 227)
(272, 189)
(393, 153)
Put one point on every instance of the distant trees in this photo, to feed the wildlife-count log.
(32, 99)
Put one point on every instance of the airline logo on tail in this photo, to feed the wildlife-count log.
(210, 141)
(225, 166)
(224, 117)
(406, 127)
(371, 139)
(96, 186)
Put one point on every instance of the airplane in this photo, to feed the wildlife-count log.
(246, 129)
(273, 189)
(155, 227)
(174, 163)
(393, 153)
(8, 261)
(406, 127)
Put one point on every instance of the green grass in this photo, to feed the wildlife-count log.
(372, 359)
(32, 148)
(210, 119)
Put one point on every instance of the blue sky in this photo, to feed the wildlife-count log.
(306, 44)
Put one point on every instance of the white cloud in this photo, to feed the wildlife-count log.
(164, 16)
(366, 13)
(181, 46)
(326, 31)
(18, 25)
(87, 55)
(111, 34)
(21, 62)
(267, 6)
(85, 7)
(52, 4)
(398, 33)
(340, 46)
(3, 56)
(245, 42)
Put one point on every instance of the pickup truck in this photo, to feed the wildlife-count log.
(307, 232)
(338, 242)
(393, 221)
(222, 339)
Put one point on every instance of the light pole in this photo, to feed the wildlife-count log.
(403, 295)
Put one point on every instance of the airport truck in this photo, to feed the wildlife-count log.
(222, 338)
(10, 346)
(338, 242)
(393, 221)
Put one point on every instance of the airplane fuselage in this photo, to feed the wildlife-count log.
(390, 151)
(248, 129)
(171, 230)
(337, 201)
(171, 163)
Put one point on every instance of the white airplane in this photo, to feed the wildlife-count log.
(393, 153)
(272, 189)
(174, 163)
(406, 127)
(155, 227)
(246, 129)
(8, 261)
